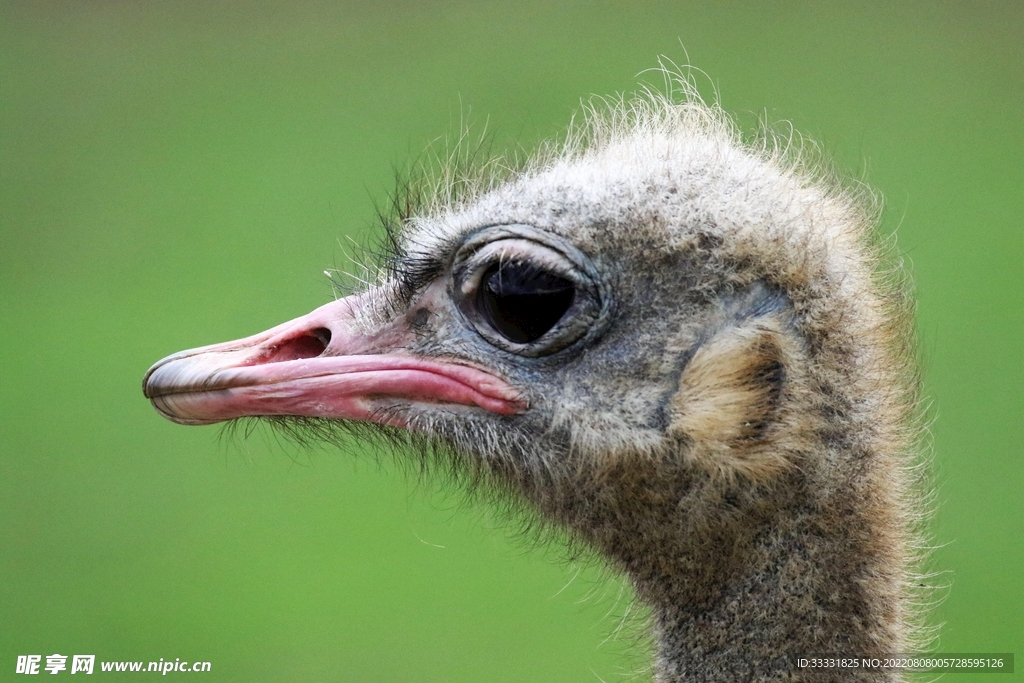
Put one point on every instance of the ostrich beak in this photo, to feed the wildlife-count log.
(318, 365)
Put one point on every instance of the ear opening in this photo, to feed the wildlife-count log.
(729, 399)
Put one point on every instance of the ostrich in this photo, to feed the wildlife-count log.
(680, 348)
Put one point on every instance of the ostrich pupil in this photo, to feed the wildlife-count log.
(521, 301)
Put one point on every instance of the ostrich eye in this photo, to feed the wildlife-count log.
(526, 291)
(522, 301)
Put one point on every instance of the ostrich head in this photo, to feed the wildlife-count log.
(671, 344)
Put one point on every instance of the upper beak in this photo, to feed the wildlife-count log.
(319, 365)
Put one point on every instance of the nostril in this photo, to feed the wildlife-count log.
(309, 345)
(323, 335)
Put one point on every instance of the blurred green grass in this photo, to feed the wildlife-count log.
(178, 174)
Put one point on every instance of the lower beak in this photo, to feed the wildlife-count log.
(319, 365)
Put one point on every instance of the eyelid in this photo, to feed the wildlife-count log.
(521, 251)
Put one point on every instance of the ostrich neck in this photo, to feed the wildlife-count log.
(752, 617)
(741, 589)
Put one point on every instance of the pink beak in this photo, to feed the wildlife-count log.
(319, 365)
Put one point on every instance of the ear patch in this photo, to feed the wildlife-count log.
(728, 399)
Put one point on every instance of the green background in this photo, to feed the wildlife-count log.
(175, 174)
